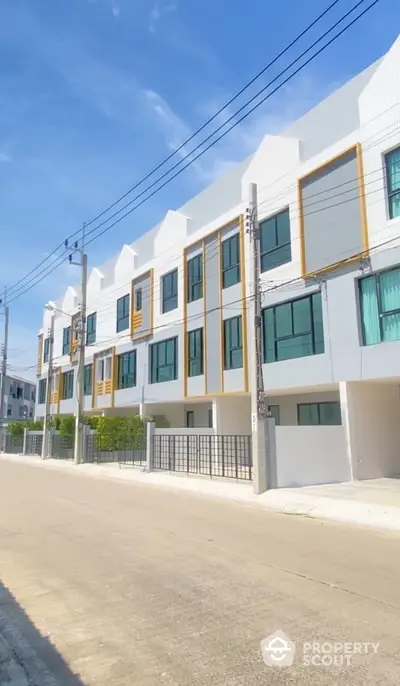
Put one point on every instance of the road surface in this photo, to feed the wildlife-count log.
(129, 584)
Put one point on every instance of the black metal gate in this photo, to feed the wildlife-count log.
(62, 447)
(34, 444)
(13, 444)
(130, 450)
(205, 454)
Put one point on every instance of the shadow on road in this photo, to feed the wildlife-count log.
(27, 657)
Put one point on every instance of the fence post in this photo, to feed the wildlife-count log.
(150, 426)
(25, 442)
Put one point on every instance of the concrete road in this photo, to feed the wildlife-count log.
(132, 584)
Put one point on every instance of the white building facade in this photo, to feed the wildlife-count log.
(169, 331)
(19, 398)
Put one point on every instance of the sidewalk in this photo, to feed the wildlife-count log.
(374, 503)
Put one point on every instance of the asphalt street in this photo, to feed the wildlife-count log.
(111, 583)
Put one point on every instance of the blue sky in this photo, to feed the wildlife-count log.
(94, 93)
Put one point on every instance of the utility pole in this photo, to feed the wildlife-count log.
(259, 408)
(4, 353)
(49, 385)
(81, 332)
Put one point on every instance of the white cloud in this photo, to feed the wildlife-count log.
(160, 10)
(115, 10)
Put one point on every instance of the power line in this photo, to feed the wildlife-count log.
(289, 282)
(57, 262)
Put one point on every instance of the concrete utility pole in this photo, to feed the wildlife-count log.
(4, 353)
(259, 408)
(81, 332)
(49, 385)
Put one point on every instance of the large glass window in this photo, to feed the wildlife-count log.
(293, 329)
(66, 346)
(195, 278)
(169, 291)
(233, 351)
(164, 361)
(91, 329)
(46, 349)
(195, 350)
(275, 246)
(127, 370)
(230, 261)
(392, 160)
(380, 307)
(313, 414)
(42, 391)
(87, 379)
(123, 313)
(67, 385)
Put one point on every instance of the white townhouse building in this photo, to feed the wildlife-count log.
(19, 398)
(168, 317)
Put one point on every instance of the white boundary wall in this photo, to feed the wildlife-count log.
(307, 455)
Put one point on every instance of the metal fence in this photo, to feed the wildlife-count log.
(34, 442)
(62, 447)
(13, 444)
(130, 450)
(208, 455)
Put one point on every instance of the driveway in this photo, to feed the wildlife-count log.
(132, 584)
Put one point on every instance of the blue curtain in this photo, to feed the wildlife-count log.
(370, 311)
(390, 301)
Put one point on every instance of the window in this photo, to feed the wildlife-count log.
(9, 410)
(42, 391)
(392, 161)
(189, 419)
(195, 278)
(100, 370)
(46, 349)
(233, 353)
(87, 379)
(20, 392)
(275, 246)
(27, 392)
(210, 419)
(380, 307)
(169, 291)
(91, 329)
(275, 411)
(67, 385)
(164, 361)
(314, 414)
(138, 300)
(195, 352)
(293, 329)
(127, 370)
(66, 346)
(107, 368)
(230, 261)
(33, 395)
(123, 313)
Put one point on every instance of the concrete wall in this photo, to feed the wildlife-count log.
(307, 455)
(231, 415)
(372, 422)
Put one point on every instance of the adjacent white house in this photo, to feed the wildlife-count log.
(168, 317)
(19, 398)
